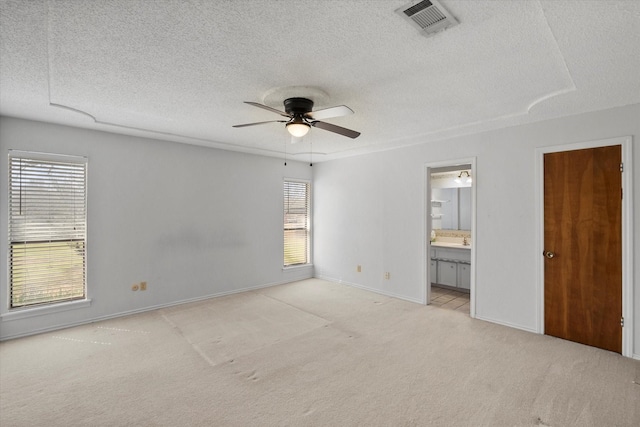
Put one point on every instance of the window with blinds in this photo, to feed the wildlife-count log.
(296, 223)
(47, 229)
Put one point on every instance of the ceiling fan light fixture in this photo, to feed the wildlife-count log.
(298, 128)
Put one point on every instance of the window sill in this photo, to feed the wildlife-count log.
(297, 267)
(24, 313)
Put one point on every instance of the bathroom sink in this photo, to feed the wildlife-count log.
(450, 245)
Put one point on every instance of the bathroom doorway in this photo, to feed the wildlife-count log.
(450, 235)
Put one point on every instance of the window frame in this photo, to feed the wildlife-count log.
(308, 225)
(77, 163)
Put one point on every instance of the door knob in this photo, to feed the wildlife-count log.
(548, 254)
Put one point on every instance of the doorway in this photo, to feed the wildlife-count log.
(450, 235)
(584, 238)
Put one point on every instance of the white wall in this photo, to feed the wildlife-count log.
(170, 214)
(191, 221)
(369, 212)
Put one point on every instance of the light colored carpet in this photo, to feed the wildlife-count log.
(311, 353)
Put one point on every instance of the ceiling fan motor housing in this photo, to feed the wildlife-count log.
(298, 106)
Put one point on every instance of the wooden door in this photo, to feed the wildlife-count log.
(583, 246)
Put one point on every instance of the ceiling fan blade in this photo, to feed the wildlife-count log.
(273, 110)
(327, 113)
(259, 123)
(336, 129)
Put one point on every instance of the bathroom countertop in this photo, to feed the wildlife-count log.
(450, 245)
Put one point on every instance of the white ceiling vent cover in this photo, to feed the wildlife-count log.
(428, 16)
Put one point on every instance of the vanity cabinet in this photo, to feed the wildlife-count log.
(464, 276)
(434, 270)
(451, 266)
(447, 273)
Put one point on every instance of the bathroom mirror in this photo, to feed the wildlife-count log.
(451, 208)
(451, 198)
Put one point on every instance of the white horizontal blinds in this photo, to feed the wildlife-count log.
(296, 223)
(47, 230)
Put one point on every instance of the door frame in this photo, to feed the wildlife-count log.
(627, 230)
(426, 268)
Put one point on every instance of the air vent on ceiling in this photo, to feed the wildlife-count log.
(428, 16)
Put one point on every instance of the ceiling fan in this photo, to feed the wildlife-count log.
(300, 117)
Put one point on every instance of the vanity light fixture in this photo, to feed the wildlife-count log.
(459, 178)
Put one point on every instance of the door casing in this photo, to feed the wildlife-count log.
(627, 231)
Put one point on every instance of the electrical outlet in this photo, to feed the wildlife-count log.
(387, 275)
(359, 269)
(143, 286)
(135, 287)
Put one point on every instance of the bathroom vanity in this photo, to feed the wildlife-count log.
(451, 265)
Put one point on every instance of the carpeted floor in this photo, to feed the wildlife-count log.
(311, 353)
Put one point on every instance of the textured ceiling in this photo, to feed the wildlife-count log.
(180, 70)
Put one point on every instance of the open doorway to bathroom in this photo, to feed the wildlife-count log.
(450, 218)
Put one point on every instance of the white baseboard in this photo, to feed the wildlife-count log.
(508, 324)
(366, 288)
(535, 331)
(142, 310)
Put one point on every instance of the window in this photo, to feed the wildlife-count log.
(296, 223)
(47, 229)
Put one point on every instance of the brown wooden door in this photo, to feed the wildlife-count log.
(583, 246)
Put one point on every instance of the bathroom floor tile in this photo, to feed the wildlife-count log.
(450, 299)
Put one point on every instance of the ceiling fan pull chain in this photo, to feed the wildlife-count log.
(285, 151)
